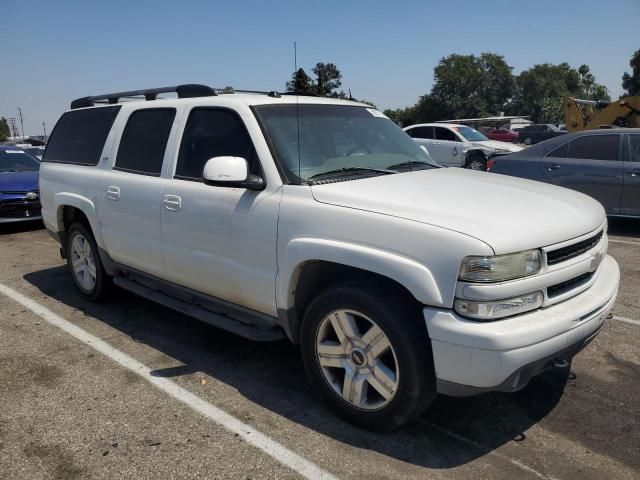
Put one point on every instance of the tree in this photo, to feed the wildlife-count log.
(301, 83)
(631, 83)
(540, 89)
(4, 130)
(328, 79)
(469, 86)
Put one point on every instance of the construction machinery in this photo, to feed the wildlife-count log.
(590, 114)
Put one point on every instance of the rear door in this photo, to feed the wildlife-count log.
(630, 204)
(132, 191)
(447, 146)
(590, 164)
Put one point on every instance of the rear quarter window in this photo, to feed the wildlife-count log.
(79, 136)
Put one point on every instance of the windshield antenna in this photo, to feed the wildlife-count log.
(296, 88)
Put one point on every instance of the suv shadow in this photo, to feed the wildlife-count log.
(272, 376)
(19, 227)
(624, 227)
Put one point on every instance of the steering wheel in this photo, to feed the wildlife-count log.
(358, 150)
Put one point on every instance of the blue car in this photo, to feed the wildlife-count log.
(19, 191)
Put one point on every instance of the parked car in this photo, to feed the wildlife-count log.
(37, 152)
(19, 192)
(604, 164)
(456, 145)
(318, 220)
(536, 133)
(502, 135)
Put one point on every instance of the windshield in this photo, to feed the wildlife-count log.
(36, 152)
(470, 134)
(338, 139)
(16, 160)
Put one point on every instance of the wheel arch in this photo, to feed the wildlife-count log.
(313, 264)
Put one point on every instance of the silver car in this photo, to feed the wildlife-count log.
(604, 164)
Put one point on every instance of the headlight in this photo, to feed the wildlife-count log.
(498, 308)
(499, 268)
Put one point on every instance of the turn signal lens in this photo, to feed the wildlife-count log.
(498, 308)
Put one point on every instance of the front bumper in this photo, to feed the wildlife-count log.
(472, 357)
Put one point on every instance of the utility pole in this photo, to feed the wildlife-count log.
(21, 122)
(44, 128)
(13, 127)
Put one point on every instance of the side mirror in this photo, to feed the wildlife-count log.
(231, 172)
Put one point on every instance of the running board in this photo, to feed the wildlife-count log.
(218, 320)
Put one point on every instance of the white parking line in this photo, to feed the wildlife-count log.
(253, 437)
(488, 450)
(626, 242)
(630, 321)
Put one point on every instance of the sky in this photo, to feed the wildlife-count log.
(55, 51)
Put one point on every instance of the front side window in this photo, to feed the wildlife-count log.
(560, 152)
(310, 141)
(16, 160)
(634, 148)
(79, 136)
(144, 141)
(446, 134)
(594, 147)
(213, 132)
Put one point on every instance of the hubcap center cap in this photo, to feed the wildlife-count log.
(358, 358)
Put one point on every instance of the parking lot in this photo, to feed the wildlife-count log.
(165, 396)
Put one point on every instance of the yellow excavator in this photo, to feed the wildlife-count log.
(590, 114)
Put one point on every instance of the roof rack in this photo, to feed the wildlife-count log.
(183, 91)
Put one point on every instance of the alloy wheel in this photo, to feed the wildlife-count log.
(83, 262)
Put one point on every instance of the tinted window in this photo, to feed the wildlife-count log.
(445, 134)
(79, 136)
(560, 152)
(213, 132)
(594, 147)
(15, 160)
(634, 148)
(421, 132)
(144, 141)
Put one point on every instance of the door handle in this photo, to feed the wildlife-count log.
(553, 166)
(172, 203)
(113, 193)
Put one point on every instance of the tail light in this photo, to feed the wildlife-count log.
(490, 164)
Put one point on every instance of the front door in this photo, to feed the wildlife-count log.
(132, 190)
(218, 240)
(447, 146)
(590, 164)
(630, 204)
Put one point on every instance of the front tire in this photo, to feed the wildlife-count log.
(85, 265)
(528, 141)
(477, 162)
(368, 354)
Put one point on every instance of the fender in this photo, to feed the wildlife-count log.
(412, 275)
(85, 205)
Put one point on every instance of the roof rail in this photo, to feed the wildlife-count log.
(183, 91)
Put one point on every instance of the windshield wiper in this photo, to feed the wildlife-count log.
(338, 171)
(410, 163)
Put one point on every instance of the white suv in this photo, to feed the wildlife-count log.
(455, 145)
(319, 220)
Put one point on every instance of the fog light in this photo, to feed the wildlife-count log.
(498, 308)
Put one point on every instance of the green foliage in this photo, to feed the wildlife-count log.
(301, 83)
(540, 89)
(4, 130)
(328, 79)
(631, 82)
(326, 83)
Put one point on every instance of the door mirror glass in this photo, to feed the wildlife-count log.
(230, 171)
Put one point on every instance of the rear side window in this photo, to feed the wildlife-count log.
(421, 132)
(634, 148)
(79, 136)
(144, 141)
(594, 147)
(213, 132)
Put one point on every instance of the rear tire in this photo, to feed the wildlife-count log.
(85, 266)
(367, 352)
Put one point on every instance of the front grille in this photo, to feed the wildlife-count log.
(20, 209)
(571, 251)
(568, 285)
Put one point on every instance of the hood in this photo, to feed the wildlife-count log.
(19, 181)
(510, 214)
(497, 145)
